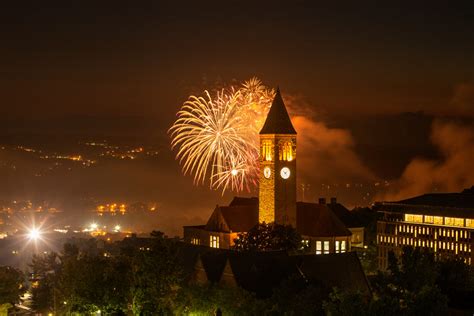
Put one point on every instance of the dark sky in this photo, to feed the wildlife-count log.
(109, 58)
(74, 67)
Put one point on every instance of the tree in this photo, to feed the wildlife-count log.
(156, 276)
(88, 283)
(44, 269)
(266, 237)
(11, 285)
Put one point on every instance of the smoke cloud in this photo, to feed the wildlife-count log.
(325, 154)
(451, 173)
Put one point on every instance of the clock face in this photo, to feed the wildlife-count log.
(267, 172)
(285, 172)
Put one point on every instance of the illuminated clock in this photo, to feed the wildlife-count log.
(285, 173)
(267, 172)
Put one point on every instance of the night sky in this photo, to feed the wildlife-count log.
(390, 86)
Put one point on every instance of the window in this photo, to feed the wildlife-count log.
(318, 247)
(286, 151)
(429, 219)
(438, 220)
(343, 246)
(304, 243)
(413, 218)
(195, 241)
(266, 150)
(453, 221)
(326, 247)
(214, 241)
(469, 222)
(337, 245)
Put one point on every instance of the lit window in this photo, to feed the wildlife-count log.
(318, 247)
(438, 220)
(195, 241)
(326, 247)
(304, 243)
(343, 246)
(286, 151)
(453, 221)
(214, 241)
(337, 245)
(469, 222)
(267, 150)
(414, 218)
(429, 219)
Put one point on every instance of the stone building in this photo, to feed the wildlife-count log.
(320, 228)
(441, 222)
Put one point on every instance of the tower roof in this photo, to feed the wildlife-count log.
(278, 121)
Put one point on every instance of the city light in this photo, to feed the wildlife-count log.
(117, 228)
(34, 234)
(93, 226)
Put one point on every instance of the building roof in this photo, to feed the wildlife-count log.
(318, 220)
(278, 121)
(262, 272)
(237, 218)
(345, 216)
(343, 270)
(442, 204)
(315, 220)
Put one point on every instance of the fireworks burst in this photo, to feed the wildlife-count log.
(217, 138)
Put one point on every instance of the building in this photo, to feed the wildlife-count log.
(353, 223)
(261, 272)
(320, 228)
(441, 222)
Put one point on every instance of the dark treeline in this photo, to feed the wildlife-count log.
(151, 280)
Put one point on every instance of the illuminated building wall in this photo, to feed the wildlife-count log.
(425, 227)
(277, 191)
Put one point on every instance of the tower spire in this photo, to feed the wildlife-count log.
(278, 121)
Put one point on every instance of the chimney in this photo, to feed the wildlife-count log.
(333, 200)
(322, 200)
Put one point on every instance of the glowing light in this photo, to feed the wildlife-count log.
(34, 234)
(217, 137)
(93, 226)
(117, 228)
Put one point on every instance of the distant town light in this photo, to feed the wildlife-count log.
(34, 234)
(94, 226)
(117, 228)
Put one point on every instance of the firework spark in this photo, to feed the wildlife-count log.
(217, 138)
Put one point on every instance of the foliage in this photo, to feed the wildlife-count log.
(408, 287)
(296, 296)
(197, 299)
(11, 285)
(44, 270)
(155, 277)
(456, 281)
(267, 237)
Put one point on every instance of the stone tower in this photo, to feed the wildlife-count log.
(277, 193)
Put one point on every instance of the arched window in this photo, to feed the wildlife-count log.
(267, 150)
(286, 151)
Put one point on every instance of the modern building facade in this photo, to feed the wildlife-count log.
(321, 229)
(441, 222)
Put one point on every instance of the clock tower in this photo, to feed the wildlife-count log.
(277, 192)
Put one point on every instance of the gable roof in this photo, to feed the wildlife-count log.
(318, 220)
(237, 218)
(345, 216)
(343, 270)
(278, 121)
(262, 272)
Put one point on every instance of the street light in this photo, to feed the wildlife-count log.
(34, 234)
